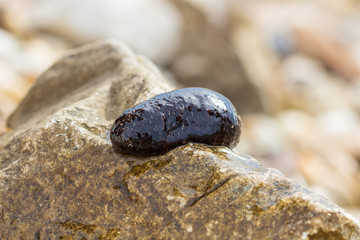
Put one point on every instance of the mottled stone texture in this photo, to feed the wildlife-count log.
(60, 178)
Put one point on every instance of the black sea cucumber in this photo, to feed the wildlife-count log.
(175, 118)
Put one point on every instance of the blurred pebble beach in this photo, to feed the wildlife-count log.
(291, 68)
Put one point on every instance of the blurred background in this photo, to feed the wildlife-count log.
(291, 67)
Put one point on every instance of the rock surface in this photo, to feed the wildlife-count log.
(59, 177)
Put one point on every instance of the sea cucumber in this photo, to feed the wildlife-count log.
(176, 118)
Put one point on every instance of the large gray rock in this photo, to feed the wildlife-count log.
(60, 178)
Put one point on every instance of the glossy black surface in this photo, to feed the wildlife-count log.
(175, 118)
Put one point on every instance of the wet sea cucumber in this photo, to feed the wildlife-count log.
(176, 118)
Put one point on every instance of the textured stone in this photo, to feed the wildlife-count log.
(60, 178)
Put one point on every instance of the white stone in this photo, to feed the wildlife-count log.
(151, 28)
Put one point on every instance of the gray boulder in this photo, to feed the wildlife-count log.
(60, 178)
